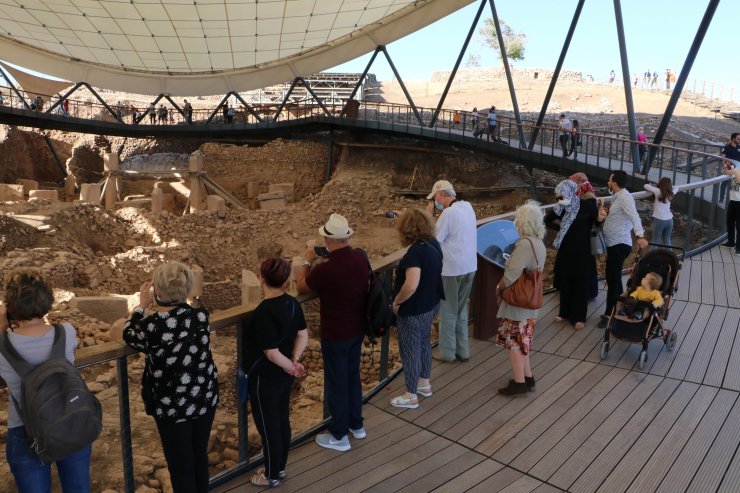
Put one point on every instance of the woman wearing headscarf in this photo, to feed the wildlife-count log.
(586, 192)
(573, 218)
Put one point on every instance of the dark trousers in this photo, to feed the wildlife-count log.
(342, 385)
(564, 139)
(269, 395)
(733, 223)
(615, 257)
(185, 447)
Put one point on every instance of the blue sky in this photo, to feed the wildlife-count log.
(658, 32)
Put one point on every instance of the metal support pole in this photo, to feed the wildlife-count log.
(556, 73)
(313, 94)
(65, 96)
(102, 101)
(124, 416)
(681, 81)
(627, 86)
(15, 90)
(218, 106)
(364, 73)
(457, 64)
(247, 106)
(285, 99)
(403, 86)
(509, 80)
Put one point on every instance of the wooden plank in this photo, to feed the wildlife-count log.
(505, 430)
(471, 478)
(661, 442)
(656, 349)
(676, 470)
(567, 461)
(695, 286)
(722, 354)
(547, 488)
(681, 326)
(497, 482)
(593, 316)
(683, 281)
(732, 373)
(705, 350)
(732, 284)
(461, 466)
(685, 354)
(525, 484)
(718, 460)
(707, 283)
(720, 290)
(552, 415)
(670, 401)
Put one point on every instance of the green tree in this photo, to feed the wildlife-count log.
(473, 60)
(514, 41)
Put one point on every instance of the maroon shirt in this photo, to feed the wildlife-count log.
(341, 283)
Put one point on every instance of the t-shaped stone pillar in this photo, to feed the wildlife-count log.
(195, 162)
(70, 183)
(197, 290)
(157, 201)
(251, 291)
(90, 193)
(112, 186)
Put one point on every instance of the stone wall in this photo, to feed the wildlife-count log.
(498, 75)
(221, 295)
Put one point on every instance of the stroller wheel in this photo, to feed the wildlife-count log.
(604, 349)
(643, 359)
(670, 341)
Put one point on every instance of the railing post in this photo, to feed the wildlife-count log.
(124, 416)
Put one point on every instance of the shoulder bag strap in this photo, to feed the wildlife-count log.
(535, 253)
(58, 349)
(16, 361)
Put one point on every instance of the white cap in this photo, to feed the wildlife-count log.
(441, 186)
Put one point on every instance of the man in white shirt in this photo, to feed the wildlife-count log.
(619, 221)
(492, 122)
(566, 126)
(456, 232)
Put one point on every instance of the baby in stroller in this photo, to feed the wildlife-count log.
(648, 291)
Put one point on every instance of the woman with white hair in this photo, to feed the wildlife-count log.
(516, 324)
(179, 383)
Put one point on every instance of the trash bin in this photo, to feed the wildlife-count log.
(496, 241)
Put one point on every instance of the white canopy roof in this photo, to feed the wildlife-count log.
(201, 47)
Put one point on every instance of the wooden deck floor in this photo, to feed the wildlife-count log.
(590, 426)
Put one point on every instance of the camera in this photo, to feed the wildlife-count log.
(321, 251)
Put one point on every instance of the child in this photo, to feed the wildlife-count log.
(648, 290)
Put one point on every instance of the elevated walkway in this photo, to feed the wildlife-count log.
(591, 425)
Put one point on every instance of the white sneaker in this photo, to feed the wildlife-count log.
(359, 433)
(326, 440)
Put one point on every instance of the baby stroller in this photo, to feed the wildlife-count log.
(639, 321)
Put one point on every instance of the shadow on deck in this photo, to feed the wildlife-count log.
(590, 425)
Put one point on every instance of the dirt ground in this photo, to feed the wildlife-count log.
(88, 250)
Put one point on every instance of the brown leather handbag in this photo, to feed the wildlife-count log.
(526, 291)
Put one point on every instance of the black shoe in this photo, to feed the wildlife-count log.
(528, 381)
(603, 322)
(513, 388)
(461, 359)
(728, 245)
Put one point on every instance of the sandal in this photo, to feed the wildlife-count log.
(282, 474)
(424, 391)
(402, 401)
(559, 319)
(261, 480)
(578, 325)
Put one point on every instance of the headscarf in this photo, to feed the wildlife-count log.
(584, 186)
(567, 190)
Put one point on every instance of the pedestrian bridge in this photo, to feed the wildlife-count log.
(591, 425)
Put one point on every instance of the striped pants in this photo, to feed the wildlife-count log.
(415, 347)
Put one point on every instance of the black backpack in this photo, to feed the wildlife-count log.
(60, 414)
(379, 311)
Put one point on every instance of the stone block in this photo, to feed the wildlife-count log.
(44, 194)
(110, 161)
(216, 205)
(10, 192)
(286, 189)
(197, 290)
(157, 201)
(251, 291)
(70, 183)
(195, 161)
(135, 203)
(253, 189)
(105, 308)
(28, 185)
(272, 200)
(90, 193)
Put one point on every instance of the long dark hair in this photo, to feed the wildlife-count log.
(666, 189)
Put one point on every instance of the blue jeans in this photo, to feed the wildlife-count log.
(662, 229)
(34, 476)
(453, 316)
(342, 385)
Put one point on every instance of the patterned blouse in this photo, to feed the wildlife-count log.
(180, 378)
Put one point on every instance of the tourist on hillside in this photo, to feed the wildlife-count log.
(492, 122)
(456, 232)
(662, 215)
(474, 116)
(654, 82)
(573, 218)
(566, 127)
(641, 144)
(187, 110)
(619, 221)
(730, 151)
(162, 115)
(225, 112)
(516, 325)
(272, 345)
(611, 77)
(341, 282)
(28, 299)
(179, 383)
(152, 111)
(418, 289)
(575, 139)
(733, 210)
(585, 192)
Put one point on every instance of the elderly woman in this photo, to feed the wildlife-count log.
(516, 324)
(28, 299)
(179, 383)
(418, 290)
(573, 218)
(273, 343)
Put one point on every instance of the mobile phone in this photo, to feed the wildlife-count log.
(321, 251)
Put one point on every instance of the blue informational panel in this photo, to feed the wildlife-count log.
(496, 241)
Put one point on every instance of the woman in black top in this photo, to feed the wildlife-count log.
(418, 291)
(573, 217)
(273, 342)
(179, 383)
